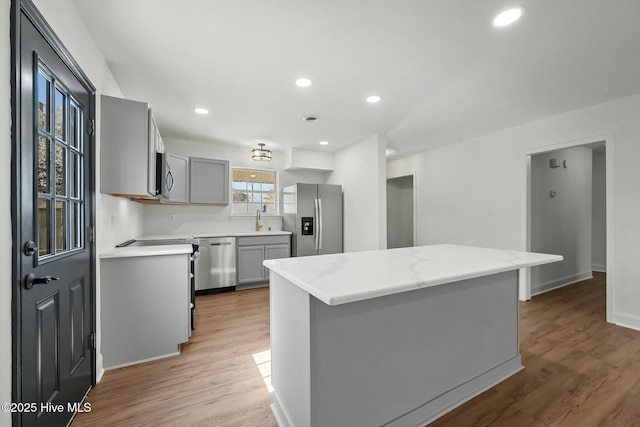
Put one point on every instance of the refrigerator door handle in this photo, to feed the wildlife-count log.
(320, 230)
(316, 225)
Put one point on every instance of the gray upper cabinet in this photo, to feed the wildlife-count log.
(128, 139)
(209, 181)
(180, 170)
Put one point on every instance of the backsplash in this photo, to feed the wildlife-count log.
(175, 219)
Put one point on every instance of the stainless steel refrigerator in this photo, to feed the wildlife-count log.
(313, 213)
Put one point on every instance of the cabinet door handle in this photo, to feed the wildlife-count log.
(170, 181)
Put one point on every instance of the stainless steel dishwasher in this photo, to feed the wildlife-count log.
(216, 263)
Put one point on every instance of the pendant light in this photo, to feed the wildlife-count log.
(261, 153)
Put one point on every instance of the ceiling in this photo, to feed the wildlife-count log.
(443, 71)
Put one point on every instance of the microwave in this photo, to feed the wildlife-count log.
(164, 177)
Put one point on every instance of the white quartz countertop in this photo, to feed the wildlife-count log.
(356, 276)
(214, 234)
(136, 251)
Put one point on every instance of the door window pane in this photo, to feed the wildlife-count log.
(74, 175)
(60, 114)
(44, 161)
(43, 91)
(44, 226)
(74, 129)
(61, 170)
(75, 224)
(59, 158)
(61, 226)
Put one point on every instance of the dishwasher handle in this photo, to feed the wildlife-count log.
(221, 244)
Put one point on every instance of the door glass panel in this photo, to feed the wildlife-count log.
(44, 228)
(74, 175)
(60, 114)
(61, 170)
(60, 162)
(43, 88)
(74, 223)
(73, 125)
(44, 161)
(61, 226)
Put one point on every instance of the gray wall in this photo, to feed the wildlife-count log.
(400, 212)
(561, 224)
(599, 212)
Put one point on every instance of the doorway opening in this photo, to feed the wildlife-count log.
(401, 226)
(569, 211)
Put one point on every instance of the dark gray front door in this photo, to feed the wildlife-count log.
(54, 183)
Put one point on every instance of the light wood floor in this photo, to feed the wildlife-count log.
(213, 382)
(579, 371)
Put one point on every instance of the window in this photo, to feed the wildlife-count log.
(254, 190)
(60, 161)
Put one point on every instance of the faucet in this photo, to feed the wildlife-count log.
(258, 226)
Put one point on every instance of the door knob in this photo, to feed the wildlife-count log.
(31, 280)
(30, 248)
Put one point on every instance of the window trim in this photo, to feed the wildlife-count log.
(276, 186)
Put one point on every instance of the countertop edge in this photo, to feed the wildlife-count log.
(403, 287)
(218, 234)
(140, 251)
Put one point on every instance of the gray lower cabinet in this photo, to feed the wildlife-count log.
(145, 307)
(209, 181)
(253, 250)
(250, 269)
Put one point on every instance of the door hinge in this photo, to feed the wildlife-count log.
(92, 341)
(91, 127)
(91, 233)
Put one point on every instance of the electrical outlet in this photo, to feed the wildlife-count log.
(216, 217)
(172, 218)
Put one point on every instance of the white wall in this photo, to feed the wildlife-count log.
(200, 219)
(361, 170)
(471, 192)
(5, 210)
(599, 213)
(117, 219)
(561, 224)
(300, 158)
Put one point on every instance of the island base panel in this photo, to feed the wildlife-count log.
(398, 360)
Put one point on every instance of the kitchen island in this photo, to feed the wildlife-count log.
(392, 337)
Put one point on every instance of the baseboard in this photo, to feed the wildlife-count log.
(561, 282)
(278, 413)
(137, 362)
(99, 367)
(630, 321)
(601, 268)
(448, 401)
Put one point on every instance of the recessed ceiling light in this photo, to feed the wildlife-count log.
(324, 142)
(373, 99)
(507, 17)
(391, 151)
(303, 82)
(200, 110)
